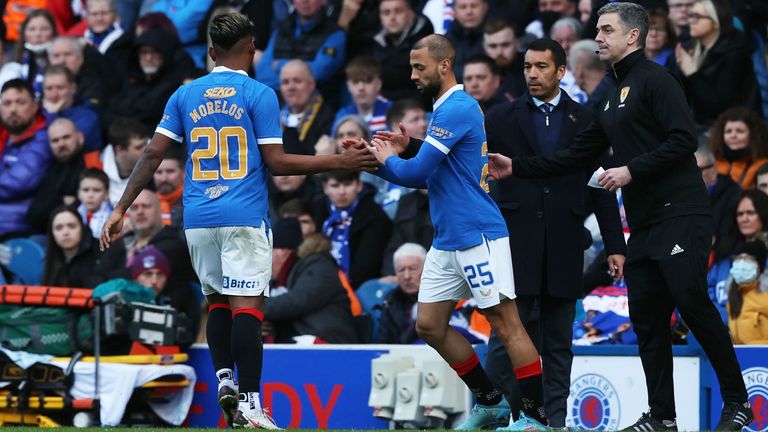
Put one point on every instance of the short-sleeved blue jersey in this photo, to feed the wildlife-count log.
(462, 211)
(222, 117)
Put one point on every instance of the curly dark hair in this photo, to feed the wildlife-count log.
(758, 133)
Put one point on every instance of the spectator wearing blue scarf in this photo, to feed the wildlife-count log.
(356, 226)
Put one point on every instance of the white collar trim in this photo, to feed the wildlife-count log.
(226, 69)
(446, 95)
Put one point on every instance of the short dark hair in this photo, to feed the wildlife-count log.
(228, 29)
(124, 129)
(484, 59)
(294, 208)
(96, 174)
(631, 15)
(438, 47)
(362, 68)
(20, 85)
(60, 70)
(397, 111)
(558, 53)
(176, 153)
(496, 25)
(341, 175)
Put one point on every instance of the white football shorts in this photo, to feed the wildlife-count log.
(483, 272)
(232, 260)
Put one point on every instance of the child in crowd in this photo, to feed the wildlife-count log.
(93, 194)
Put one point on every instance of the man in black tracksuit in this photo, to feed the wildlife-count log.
(647, 123)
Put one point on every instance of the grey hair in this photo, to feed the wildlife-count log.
(586, 49)
(73, 42)
(567, 22)
(112, 4)
(409, 250)
(358, 121)
(631, 15)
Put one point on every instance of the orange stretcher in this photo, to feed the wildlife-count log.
(36, 408)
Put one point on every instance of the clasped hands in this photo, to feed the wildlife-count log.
(382, 146)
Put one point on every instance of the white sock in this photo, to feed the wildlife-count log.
(226, 378)
(249, 402)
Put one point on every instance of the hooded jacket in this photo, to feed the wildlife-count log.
(23, 164)
(316, 302)
(142, 98)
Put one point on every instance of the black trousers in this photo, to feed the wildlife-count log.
(549, 322)
(666, 269)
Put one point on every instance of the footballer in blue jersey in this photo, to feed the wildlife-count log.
(229, 123)
(470, 252)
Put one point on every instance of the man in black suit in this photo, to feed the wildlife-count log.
(545, 221)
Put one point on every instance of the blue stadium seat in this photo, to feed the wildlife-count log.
(371, 293)
(27, 261)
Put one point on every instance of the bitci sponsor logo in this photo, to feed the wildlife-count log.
(231, 283)
(595, 403)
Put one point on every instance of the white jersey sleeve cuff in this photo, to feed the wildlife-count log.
(169, 134)
(261, 141)
(437, 144)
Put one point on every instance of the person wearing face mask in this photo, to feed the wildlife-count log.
(749, 222)
(747, 297)
(31, 50)
(739, 140)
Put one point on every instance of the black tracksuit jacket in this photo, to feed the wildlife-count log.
(648, 124)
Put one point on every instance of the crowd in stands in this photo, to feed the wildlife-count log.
(84, 84)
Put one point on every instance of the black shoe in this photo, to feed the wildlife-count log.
(735, 416)
(227, 398)
(649, 424)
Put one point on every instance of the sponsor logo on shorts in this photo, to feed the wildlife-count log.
(230, 283)
(595, 403)
(756, 379)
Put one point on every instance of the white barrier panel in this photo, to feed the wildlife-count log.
(609, 393)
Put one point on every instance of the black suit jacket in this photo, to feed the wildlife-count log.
(545, 216)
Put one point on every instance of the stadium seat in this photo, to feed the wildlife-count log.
(371, 293)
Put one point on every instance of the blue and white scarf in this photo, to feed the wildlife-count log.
(336, 228)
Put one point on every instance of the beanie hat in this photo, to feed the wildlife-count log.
(147, 259)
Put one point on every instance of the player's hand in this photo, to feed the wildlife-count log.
(615, 178)
(383, 150)
(357, 156)
(616, 267)
(399, 140)
(499, 166)
(111, 230)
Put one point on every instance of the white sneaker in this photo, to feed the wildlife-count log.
(254, 420)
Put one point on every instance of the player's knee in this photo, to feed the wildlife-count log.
(429, 331)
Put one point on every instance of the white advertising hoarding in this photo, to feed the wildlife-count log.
(609, 393)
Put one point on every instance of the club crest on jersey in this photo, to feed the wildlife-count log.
(624, 93)
(756, 379)
(594, 403)
(214, 192)
(220, 92)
